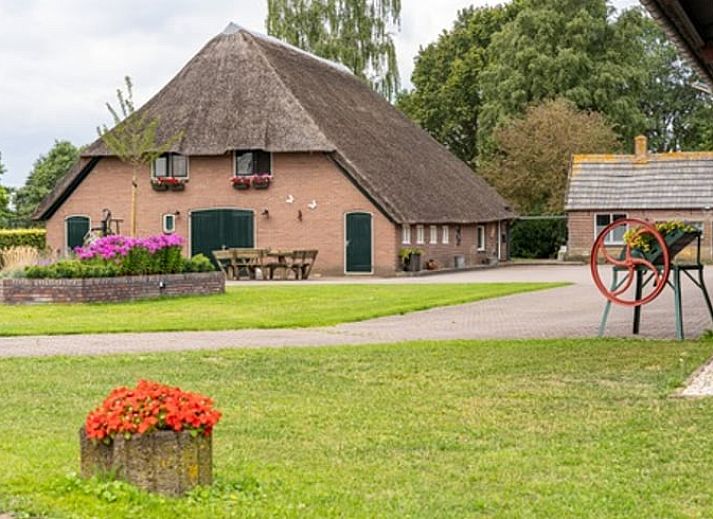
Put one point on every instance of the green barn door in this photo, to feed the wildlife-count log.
(77, 228)
(216, 229)
(358, 243)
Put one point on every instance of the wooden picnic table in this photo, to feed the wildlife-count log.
(233, 262)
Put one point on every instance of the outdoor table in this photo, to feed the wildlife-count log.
(248, 260)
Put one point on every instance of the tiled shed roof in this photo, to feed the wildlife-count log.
(657, 181)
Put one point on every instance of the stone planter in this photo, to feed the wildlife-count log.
(164, 462)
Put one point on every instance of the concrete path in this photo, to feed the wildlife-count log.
(572, 311)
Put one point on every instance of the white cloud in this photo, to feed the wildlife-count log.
(61, 61)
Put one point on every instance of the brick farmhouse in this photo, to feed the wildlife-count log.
(350, 175)
(649, 186)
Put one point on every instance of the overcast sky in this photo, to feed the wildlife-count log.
(61, 61)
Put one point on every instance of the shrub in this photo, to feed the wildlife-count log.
(148, 407)
(538, 238)
(198, 263)
(73, 269)
(35, 238)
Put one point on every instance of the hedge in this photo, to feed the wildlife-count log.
(23, 237)
(538, 238)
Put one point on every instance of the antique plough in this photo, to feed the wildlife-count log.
(640, 273)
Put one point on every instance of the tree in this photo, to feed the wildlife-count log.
(4, 198)
(446, 100)
(133, 139)
(533, 153)
(47, 170)
(563, 48)
(678, 116)
(356, 33)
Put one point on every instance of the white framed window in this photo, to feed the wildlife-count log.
(480, 237)
(433, 231)
(169, 223)
(601, 220)
(406, 234)
(170, 165)
(446, 235)
(420, 235)
(253, 162)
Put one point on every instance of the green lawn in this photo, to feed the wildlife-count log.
(580, 428)
(250, 307)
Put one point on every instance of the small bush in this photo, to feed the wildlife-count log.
(538, 238)
(35, 238)
(73, 269)
(198, 263)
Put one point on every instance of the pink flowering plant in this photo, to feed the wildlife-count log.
(160, 254)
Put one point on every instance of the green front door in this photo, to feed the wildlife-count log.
(215, 229)
(358, 243)
(77, 228)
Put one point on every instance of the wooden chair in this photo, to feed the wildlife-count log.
(308, 260)
(301, 262)
(224, 259)
(248, 260)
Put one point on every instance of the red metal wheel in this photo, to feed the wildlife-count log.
(629, 263)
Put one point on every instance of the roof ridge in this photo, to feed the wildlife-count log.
(233, 28)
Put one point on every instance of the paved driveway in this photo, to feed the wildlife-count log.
(572, 311)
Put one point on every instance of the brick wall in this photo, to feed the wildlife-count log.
(444, 253)
(581, 229)
(305, 176)
(89, 290)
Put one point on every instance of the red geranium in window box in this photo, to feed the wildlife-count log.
(261, 180)
(241, 181)
(166, 183)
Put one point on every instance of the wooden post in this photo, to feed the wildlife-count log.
(134, 188)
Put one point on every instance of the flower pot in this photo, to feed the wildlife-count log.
(414, 262)
(241, 187)
(166, 462)
(261, 185)
(178, 187)
(159, 187)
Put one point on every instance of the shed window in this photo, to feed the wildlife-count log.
(420, 234)
(480, 237)
(406, 234)
(616, 237)
(434, 234)
(169, 223)
(254, 162)
(170, 165)
(446, 233)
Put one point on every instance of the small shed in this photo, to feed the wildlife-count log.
(650, 186)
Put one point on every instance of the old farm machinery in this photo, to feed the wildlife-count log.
(642, 264)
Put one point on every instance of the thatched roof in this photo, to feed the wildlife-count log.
(248, 91)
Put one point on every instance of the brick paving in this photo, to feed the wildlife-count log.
(571, 311)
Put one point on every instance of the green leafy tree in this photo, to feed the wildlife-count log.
(678, 116)
(563, 48)
(133, 139)
(533, 153)
(356, 33)
(47, 170)
(5, 214)
(446, 99)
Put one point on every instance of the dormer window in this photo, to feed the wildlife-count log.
(170, 165)
(253, 162)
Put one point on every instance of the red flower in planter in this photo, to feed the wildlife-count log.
(151, 406)
(168, 181)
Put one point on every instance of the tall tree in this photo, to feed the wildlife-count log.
(563, 48)
(531, 165)
(356, 33)
(133, 139)
(447, 98)
(47, 170)
(4, 199)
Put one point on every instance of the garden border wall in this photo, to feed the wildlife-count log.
(122, 288)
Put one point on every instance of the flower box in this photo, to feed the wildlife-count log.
(166, 462)
(240, 183)
(261, 181)
(166, 183)
(153, 436)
